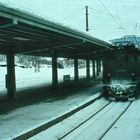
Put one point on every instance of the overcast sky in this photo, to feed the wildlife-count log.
(108, 19)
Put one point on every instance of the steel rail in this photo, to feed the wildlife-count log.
(113, 123)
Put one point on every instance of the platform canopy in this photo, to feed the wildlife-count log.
(24, 33)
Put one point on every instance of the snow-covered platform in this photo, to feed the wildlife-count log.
(41, 105)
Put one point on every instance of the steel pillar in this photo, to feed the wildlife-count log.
(87, 69)
(98, 67)
(10, 77)
(54, 72)
(93, 69)
(76, 72)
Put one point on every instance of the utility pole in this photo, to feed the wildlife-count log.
(87, 27)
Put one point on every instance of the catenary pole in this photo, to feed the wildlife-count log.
(87, 26)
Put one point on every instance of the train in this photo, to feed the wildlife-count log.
(121, 73)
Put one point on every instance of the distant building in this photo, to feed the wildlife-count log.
(127, 39)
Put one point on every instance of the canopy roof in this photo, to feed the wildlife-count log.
(25, 33)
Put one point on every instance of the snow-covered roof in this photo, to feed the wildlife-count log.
(32, 30)
(39, 18)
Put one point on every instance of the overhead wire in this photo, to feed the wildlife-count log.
(107, 14)
(100, 11)
(96, 9)
(126, 12)
(74, 13)
(135, 26)
(118, 22)
(112, 16)
(78, 11)
(118, 16)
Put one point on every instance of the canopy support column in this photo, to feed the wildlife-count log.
(87, 69)
(54, 72)
(10, 78)
(93, 69)
(98, 67)
(76, 72)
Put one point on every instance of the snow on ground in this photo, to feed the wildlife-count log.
(92, 129)
(128, 126)
(55, 132)
(27, 77)
(26, 118)
(97, 125)
(20, 120)
(23, 119)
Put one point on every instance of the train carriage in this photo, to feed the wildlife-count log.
(121, 73)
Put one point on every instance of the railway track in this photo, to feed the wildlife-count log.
(94, 126)
(92, 115)
(97, 126)
(96, 107)
(47, 125)
(113, 123)
(69, 132)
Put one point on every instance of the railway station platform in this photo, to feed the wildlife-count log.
(27, 34)
(40, 105)
(29, 96)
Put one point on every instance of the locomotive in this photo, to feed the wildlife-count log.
(121, 73)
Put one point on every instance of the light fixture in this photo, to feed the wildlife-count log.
(21, 38)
